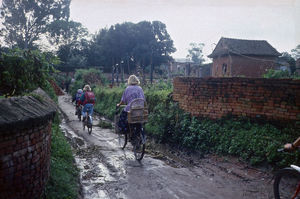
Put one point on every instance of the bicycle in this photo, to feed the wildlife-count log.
(79, 111)
(88, 122)
(287, 182)
(137, 117)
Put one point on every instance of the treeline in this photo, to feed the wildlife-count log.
(126, 47)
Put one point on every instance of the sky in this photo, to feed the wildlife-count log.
(200, 21)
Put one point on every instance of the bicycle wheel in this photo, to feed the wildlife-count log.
(122, 138)
(79, 116)
(287, 184)
(138, 144)
(89, 124)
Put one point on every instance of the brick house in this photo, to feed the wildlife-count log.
(242, 58)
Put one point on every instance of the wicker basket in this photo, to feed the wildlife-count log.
(138, 112)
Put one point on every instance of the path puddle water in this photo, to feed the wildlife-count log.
(93, 173)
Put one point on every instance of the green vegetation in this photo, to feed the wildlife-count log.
(168, 124)
(252, 142)
(22, 71)
(280, 74)
(63, 181)
(92, 76)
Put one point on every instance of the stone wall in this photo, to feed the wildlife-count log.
(270, 99)
(25, 139)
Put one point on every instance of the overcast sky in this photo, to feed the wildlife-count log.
(277, 21)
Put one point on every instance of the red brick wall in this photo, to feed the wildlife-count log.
(242, 66)
(271, 99)
(24, 161)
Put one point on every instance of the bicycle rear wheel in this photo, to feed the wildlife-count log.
(138, 144)
(287, 184)
(79, 116)
(89, 124)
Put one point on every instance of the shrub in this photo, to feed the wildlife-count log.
(22, 71)
(63, 180)
(92, 76)
(168, 124)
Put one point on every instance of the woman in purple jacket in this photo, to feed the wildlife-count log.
(133, 91)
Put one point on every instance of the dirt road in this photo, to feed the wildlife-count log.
(109, 172)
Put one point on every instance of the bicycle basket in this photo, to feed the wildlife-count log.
(138, 111)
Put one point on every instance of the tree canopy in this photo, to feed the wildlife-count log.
(27, 21)
(296, 52)
(135, 45)
(195, 52)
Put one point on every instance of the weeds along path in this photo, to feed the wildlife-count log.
(106, 171)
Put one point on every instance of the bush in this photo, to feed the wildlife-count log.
(93, 77)
(252, 142)
(63, 180)
(22, 71)
(280, 74)
(168, 124)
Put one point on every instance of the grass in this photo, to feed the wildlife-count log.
(63, 181)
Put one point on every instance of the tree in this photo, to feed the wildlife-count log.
(72, 36)
(290, 60)
(296, 52)
(64, 32)
(137, 45)
(26, 21)
(195, 53)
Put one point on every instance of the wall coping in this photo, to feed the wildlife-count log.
(188, 79)
(26, 111)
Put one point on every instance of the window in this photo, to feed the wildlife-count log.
(224, 69)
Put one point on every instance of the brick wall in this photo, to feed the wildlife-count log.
(271, 99)
(25, 139)
(255, 66)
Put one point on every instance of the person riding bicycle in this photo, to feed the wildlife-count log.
(133, 91)
(88, 100)
(76, 98)
(292, 146)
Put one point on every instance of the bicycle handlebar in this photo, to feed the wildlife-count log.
(118, 108)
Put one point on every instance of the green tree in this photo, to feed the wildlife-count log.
(136, 45)
(195, 53)
(22, 71)
(74, 44)
(290, 60)
(296, 52)
(27, 21)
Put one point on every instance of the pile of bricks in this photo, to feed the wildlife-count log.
(271, 99)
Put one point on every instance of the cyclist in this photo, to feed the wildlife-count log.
(76, 98)
(292, 146)
(87, 100)
(133, 91)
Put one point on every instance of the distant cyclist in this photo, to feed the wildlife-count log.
(88, 100)
(76, 98)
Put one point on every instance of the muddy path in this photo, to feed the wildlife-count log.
(106, 171)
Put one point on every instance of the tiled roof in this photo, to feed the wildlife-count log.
(243, 47)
